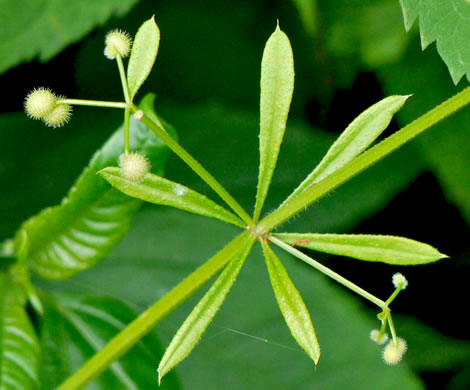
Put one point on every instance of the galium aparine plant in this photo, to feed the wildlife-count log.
(348, 156)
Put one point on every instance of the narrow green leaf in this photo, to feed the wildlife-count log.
(292, 305)
(93, 218)
(385, 249)
(75, 327)
(19, 348)
(277, 86)
(354, 140)
(202, 315)
(157, 190)
(143, 55)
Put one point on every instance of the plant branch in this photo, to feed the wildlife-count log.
(363, 161)
(93, 103)
(195, 166)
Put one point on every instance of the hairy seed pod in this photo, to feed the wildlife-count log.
(59, 116)
(378, 337)
(117, 42)
(393, 353)
(134, 166)
(39, 103)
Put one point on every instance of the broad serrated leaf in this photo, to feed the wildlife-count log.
(75, 327)
(385, 249)
(277, 86)
(143, 55)
(92, 219)
(157, 190)
(446, 22)
(292, 305)
(202, 315)
(19, 347)
(354, 140)
(31, 28)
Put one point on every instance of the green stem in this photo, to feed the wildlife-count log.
(127, 114)
(328, 272)
(393, 296)
(122, 74)
(195, 166)
(392, 329)
(148, 319)
(363, 161)
(93, 103)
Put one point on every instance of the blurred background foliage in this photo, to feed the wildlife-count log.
(348, 55)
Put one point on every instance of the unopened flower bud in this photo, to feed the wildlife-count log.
(117, 42)
(39, 103)
(134, 166)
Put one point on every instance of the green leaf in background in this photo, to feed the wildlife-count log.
(446, 22)
(143, 55)
(277, 86)
(366, 29)
(354, 140)
(75, 327)
(202, 315)
(308, 14)
(19, 347)
(44, 28)
(386, 249)
(157, 190)
(444, 148)
(93, 218)
(292, 305)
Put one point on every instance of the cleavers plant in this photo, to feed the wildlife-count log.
(112, 198)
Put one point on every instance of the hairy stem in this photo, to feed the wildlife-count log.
(363, 161)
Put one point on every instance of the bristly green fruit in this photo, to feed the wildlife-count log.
(117, 42)
(59, 116)
(134, 166)
(39, 103)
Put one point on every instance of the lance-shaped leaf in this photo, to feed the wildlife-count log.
(76, 327)
(19, 347)
(277, 86)
(143, 55)
(92, 219)
(385, 249)
(292, 305)
(202, 315)
(354, 140)
(157, 190)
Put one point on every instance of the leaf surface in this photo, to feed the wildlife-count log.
(354, 140)
(75, 327)
(143, 55)
(31, 28)
(277, 86)
(385, 249)
(19, 347)
(202, 315)
(446, 22)
(292, 305)
(157, 190)
(92, 219)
